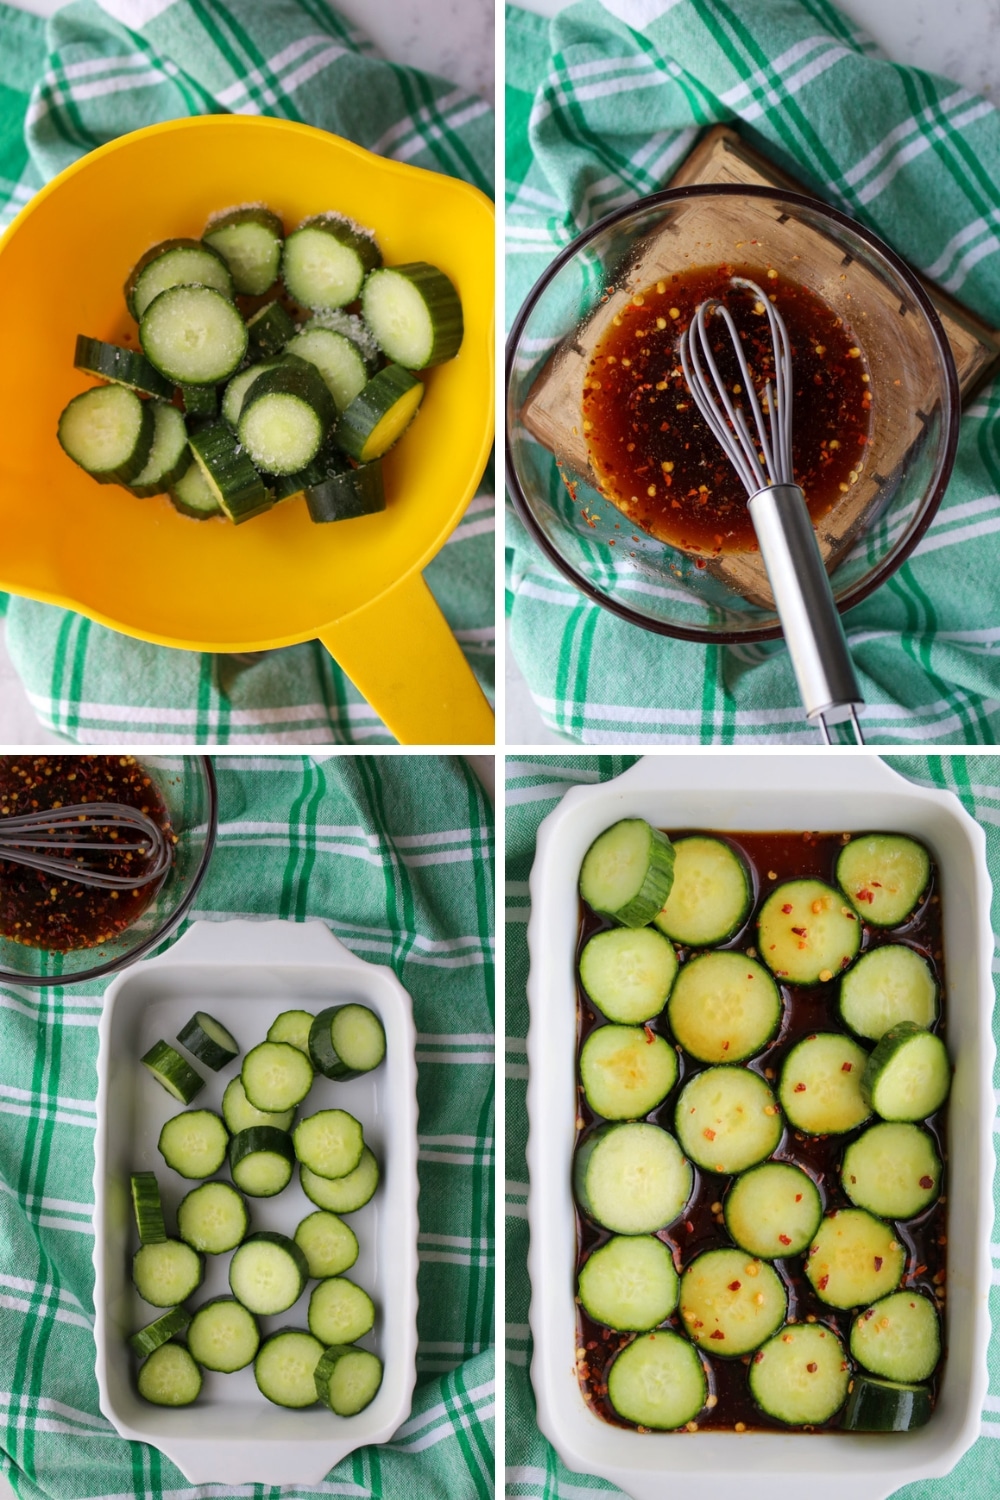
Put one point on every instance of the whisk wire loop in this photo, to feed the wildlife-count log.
(25, 838)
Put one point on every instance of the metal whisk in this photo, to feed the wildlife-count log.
(25, 838)
(763, 460)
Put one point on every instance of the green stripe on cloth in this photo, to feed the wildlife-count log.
(533, 788)
(395, 855)
(599, 114)
(88, 78)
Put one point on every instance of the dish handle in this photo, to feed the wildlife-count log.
(401, 655)
(271, 942)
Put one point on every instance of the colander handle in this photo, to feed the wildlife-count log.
(401, 655)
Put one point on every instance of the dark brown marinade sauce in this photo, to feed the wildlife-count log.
(771, 858)
(44, 911)
(654, 455)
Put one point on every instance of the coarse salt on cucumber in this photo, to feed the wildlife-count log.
(109, 432)
(269, 330)
(200, 400)
(626, 1071)
(377, 418)
(169, 455)
(356, 491)
(337, 358)
(628, 973)
(120, 366)
(172, 1073)
(724, 1007)
(249, 238)
(627, 872)
(348, 1379)
(229, 473)
(191, 495)
(631, 1178)
(414, 313)
(326, 259)
(176, 262)
(629, 1283)
(286, 414)
(193, 335)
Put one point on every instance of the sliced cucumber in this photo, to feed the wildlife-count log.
(820, 1088)
(854, 1258)
(276, 1076)
(711, 896)
(249, 239)
(285, 1368)
(169, 455)
(329, 461)
(893, 1171)
(898, 1338)
(806, 934)
(724, 1007)
(888, 985)
(166, 1274)
(730, 1305)
(260, 1159)
(223, 1335)
(239, 1114)
(209, 1041)
(109, 432)
(347, 1379)
(727, 1119)
(627, 872)
(658, 1381)
(194, 1143)
(147, 1208)
(343, 1195)
(293, 1027)
(629, 1284)
(177, 262)
(355, 491)
(172, 1073)
(884, 875)
(329, 1245)
(340, 1312)
(337, 358)
(169, 1377)
(269, 330)
(268, 1273)
(626, 1071)
(378, 417)
(346, 1041)
(213, 1218)
(415, 314)
(773, 1210)
(231, 477)
(628, 973)
(326, 259)
(886, 1406)
(232, 400)
(908, 1075)
(145, 1340)
(193, 335)
(801, 1376)
(286, 414)
(200, 400)
(632, 1179)
(120, 366)
(192, 496)
(329, 1142)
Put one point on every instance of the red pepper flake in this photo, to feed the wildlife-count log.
(650, 1038)
(734, 1286)
(823, 1283)
(926, 1182)
(847, 1067)
(866, 895)
(784, 1238)
(799, 931)
(798, 1197)
(799, 1088)
(758, 1356)
(708, 1134)
(878, 1262)
(717, 1334)
(812, 1368)
(787, 908)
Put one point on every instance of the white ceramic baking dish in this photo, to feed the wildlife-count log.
(823, 791)
(244, 974)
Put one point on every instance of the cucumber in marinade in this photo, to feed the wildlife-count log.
(886, 1405)
(820, 1088)
(658, 1381)
(711, 896)
(730, 1305)
(724, 1007)
(807, 933)
(627, 872)
(893, 1170)
(899, 1337)
(628, 973)
(887, 985)
(908, 1075)
(801, 1376)
(773, 1210)
(884, 876)
(854, 1258)
(631, 1178)
(629, 1284)
(727, 1119)
(626, 1071)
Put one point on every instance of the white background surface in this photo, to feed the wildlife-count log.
(959, 38)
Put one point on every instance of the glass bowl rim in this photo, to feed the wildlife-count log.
(893, 559)
(98, 971)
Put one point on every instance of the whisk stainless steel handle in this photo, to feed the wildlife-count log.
(27, 838)
(803, 598)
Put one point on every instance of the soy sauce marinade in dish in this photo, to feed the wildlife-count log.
(759, 1173)
(656, 459)
(45, 911)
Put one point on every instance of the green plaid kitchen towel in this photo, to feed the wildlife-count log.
(96, 72)
(533, 787)
(395, 855)
(599, 113)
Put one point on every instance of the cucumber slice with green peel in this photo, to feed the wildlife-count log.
(854, 1258)
(293, 1027)
(347, 1379)
(884, 875)
(343, 1195)
(627, 872)
(888, 985)
(232, 398)
(886, 1406)
(169, 1377)
(340, 1312)
(223, 1335)
(108, 432)
(209, 1041)
(338, 359)
(260, 1160)
(773, 1210)
(806, 932)
(145, 1340)
(626, 1071)
(285, 1368)
(229, 473)
(631, 1178)
(192, 496)
(328, 461)
(414, 313)
(269, 330)
(326, 259)
(893, 1171)
(172, 1073)
(629, 1284)
(193, 335)
(120, 366)
(378, 417)
(345, 496)
(820, 1088)
(329, 1245)
(724, 1007)
(898, 1338)
(727, 1119)
(276, 1076)
(194, 1143)
(239, 1114)
(329, 1142)
(729, 1304)
(249, 239)
(628, 973)
(658, 1381)
(169, 456)
(908, 1075)
(200, 400)
(346, 1041)
(286, 414)
(166, 1274)
(353, 328)
(711, 896)
(148, 1208)
(268, 1273)
(213, 1218)
(177, 262)
(801, 1376)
